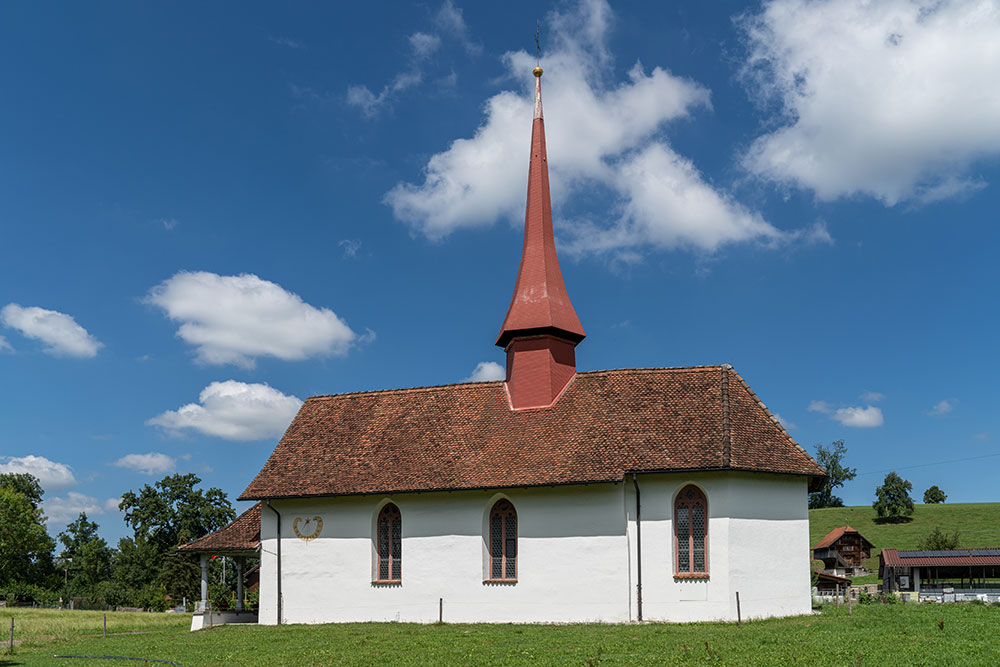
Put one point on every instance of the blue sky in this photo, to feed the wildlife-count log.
(211, 212)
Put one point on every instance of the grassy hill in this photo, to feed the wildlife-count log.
(978, 525)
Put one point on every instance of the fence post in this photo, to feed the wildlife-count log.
(105, 626)
(739, 617)
(10, 646)
(440, 610)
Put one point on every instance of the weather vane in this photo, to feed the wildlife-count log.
(538, 45)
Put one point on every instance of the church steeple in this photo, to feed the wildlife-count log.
(541, 328)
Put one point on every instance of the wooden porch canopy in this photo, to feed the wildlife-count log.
(239, 538)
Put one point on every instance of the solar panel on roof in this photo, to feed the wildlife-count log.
(934, 554)
(984, 552)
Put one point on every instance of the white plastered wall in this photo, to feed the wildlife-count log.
(576, 555)
(572, 559)
(758, 544)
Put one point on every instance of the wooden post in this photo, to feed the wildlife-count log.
(838, 595)
(850, 605)
(739, 617)
(10, 646)
(105, 626)
(440, 610)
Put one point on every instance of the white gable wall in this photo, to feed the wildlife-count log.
(576, 555)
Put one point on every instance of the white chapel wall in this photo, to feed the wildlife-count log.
(572, 559)
(758, 544)
(576, 560)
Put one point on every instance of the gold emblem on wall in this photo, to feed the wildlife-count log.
(316, 521)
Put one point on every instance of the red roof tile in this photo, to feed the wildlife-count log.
(243, 534)
(465, 436)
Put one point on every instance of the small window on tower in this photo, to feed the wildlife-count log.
(389, 546)
(503, 542)
(691, 533)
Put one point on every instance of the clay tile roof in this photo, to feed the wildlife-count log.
(836, 534)
(465, 436)
(243, 534)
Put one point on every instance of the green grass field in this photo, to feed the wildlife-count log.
(874, 635)
(978, 525)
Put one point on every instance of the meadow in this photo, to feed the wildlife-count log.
(910, 634)
(978, 525)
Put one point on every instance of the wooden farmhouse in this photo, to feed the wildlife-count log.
(843, 551)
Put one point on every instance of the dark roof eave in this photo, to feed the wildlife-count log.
(613, 480)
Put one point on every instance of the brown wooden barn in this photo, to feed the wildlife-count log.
(843, 551)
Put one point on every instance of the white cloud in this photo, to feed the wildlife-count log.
(820, 406)
(423, 44)
(234, 411)
(169, 224)
(68, 508)
(234, 319)
(859, 417)
(4, 345)
(893, 99)
(111, 504)
(53, 476)
(604, 138)
(872, 396)
(943, 408)
(450, 20)
(152, 463)
(350, 247)
(59, 331)
(486, 371)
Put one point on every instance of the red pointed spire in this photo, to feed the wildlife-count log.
(541, 324)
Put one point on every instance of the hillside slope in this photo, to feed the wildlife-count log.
(978, 525)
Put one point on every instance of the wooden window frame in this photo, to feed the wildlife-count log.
(504, 509)
(395, 563)
(682, 500)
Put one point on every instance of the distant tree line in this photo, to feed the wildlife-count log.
(142, 571)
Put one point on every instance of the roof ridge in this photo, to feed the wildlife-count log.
(433, 387)
(727, 442)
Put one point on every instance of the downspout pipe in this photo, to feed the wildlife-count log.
(277, 514)
(638, 548)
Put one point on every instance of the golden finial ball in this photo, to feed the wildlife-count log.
(537, 71)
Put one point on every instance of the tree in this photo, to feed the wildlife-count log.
(892, 499)
(938, 540)
(159, 514)
(934, 495)
(25, 547)
(24, 483)
(77, 534)
(831, 459)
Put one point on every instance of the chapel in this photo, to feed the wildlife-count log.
(641, 494)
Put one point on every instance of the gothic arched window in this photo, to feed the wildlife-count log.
(389, 544)
(691, 532)
(503, 542)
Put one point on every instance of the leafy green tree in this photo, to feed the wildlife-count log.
(938, 540)
(24, 483)
(136, 564)
(160, 513)
(831, 459)
(94, 562)
(25, 547)
(77, 534)
(934, 495)
(892, 499)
